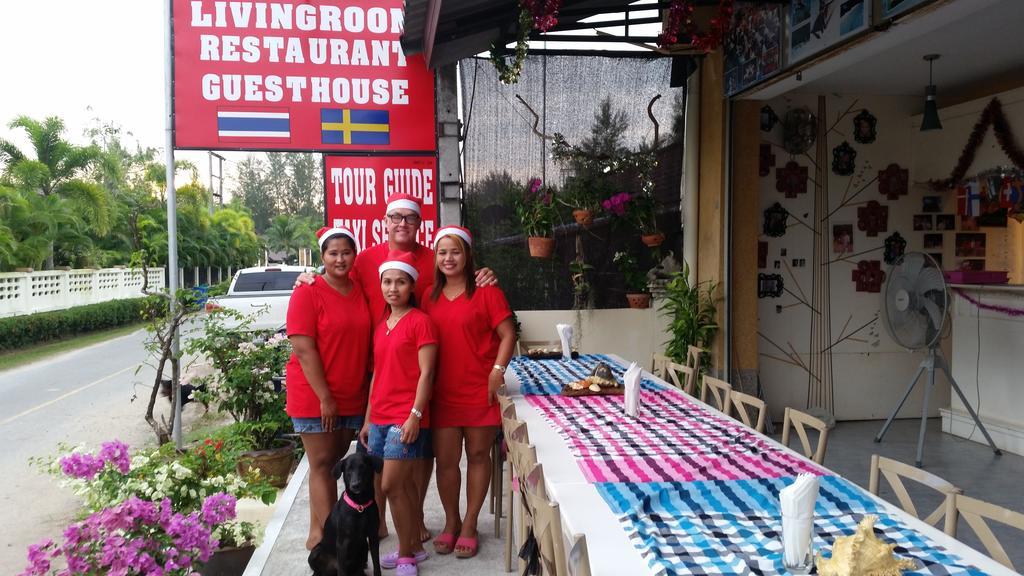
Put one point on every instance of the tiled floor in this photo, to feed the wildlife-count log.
(971, 466)
(966, 464)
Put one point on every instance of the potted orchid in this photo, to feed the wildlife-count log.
(536, 212)
(638, 210)
(634, 280)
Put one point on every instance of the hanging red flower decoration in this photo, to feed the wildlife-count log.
(872, 218)
(791, 179)
(680, 19)
(893, 182)
(544, 12)
(869, 276)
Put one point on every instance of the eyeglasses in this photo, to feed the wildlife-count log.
(411, 219)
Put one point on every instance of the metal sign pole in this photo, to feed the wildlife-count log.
(172, 215)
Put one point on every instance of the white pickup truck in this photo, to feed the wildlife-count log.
(261, 290)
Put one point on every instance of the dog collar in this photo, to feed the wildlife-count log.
(354, 504)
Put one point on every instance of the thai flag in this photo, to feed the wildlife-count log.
(242, 123)
(968, 201)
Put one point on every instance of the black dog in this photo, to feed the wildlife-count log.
(351, 531)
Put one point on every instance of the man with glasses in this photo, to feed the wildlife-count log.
(403, 220)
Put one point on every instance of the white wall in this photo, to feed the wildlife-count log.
(871, 373)
(30, 292)
(632, 334)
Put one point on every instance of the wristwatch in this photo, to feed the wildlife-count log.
(500, 368)
(416, 412)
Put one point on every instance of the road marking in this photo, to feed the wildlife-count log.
(65, 395)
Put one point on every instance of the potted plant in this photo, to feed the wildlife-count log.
(581, 194)
(581, 289)
(637, 210)
(635, 281)
(536, 213)
(136, 536)
(691, 313)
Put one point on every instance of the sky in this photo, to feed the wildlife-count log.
(86, 60)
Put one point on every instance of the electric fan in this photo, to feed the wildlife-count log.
(915, 306)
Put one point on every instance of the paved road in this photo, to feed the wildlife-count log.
(83, 396)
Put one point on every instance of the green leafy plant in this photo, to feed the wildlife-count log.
(535, 209)
(581, 287)
(245, 389)
(691, 312)
(582, 193)
(20, 331)
(635, 281)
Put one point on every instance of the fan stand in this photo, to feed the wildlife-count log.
(933, 361)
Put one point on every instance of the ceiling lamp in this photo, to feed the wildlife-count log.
(930, 120)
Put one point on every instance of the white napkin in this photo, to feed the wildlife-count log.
(565, 335)
(631, 398)
(797, 504)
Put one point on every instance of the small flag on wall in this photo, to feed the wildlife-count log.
(353, 126)
(253, 123)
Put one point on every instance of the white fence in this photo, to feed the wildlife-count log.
(29, 292)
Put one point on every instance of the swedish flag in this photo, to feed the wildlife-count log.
(346, 126)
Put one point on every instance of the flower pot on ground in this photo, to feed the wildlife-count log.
(541, 247)
(652, 240)
(639, 300)
(228, 561)
(583, 217)
(274, 464)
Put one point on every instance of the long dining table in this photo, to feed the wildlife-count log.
(685, 489)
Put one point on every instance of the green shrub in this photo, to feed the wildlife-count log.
(21, 331)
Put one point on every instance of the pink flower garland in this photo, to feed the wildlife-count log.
(1013, 312)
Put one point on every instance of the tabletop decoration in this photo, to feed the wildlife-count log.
(862, 553)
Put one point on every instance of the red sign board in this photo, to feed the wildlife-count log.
(322, 75)
(358, 188)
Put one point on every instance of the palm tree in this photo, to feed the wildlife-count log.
(56, 171)
(288, 234)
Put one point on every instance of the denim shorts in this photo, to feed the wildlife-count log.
(315, 425)
(385, 442)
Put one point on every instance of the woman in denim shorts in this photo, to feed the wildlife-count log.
(329, 327)
(398, 419)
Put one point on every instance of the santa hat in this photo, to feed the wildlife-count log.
(398, 260)
(453, 231)
(325, 233)
(406, 201)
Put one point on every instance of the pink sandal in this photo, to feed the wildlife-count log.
(444, 543)
(406, 567)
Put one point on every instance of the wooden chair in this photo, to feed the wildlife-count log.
(522, 458)
(546, 522)
(720, 390)
(659, 365)
(681, 376)
(742, 401)
(799, 420)
(894, 470)
(693, 358)
(975, 512)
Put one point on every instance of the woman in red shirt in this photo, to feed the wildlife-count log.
(477, 336)
(328, 324)
(398, 417)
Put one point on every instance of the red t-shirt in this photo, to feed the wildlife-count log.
(468, 343)
(340, 325)
(396, 357)
(366, 271)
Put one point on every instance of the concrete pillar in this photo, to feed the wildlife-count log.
(449, 181)
(745, 230)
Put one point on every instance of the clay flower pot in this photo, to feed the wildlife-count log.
(541, 247)
(639, 300)
(274, 464)
(653, 240)
(583, 217)
(228, 561)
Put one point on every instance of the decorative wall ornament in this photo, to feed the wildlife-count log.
(843, 157)
(792, 179)
(799, 130)
(869, 276)
(775, 217)
(864, 127)
(768, 118)
(767, 160)
(872, 218)
(894, 181)
(895, 247)
(991, 116)
(769, 285)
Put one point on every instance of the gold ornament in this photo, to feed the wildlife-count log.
(862, 554)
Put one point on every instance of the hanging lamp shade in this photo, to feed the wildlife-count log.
(930, 120)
